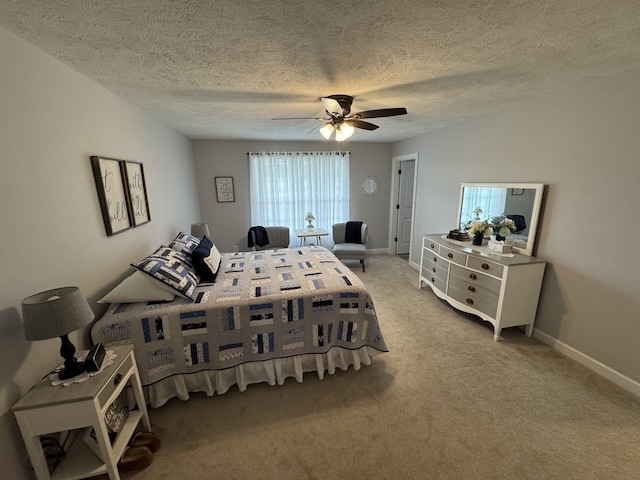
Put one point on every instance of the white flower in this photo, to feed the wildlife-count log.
(478, 226)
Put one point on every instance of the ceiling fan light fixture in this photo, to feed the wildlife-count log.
(326, 131)
(344, 131)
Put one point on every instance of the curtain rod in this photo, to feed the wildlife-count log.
(303, 153)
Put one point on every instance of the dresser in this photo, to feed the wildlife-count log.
(502, 289)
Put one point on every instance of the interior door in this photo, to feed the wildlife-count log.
(404, 206)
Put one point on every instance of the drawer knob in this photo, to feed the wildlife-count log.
(473, 276)
(472, 288)
(435, 259)
(433, 246)
(450, 255)
(434, 269)
(433, 280)
(485, 266)
(469, 301)
(117, 379)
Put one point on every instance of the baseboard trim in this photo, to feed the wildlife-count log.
(601, 369)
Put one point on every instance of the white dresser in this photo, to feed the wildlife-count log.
(502, 289)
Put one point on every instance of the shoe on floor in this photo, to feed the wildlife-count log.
(146, 439)
(135, 458)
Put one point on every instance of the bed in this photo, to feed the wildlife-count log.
(248, 317)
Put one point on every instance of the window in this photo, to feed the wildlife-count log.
(285, 186)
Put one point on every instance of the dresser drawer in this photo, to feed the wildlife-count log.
(436, 281)
(485, 266)
(436, 269)
(478, 298)
(467, 277)
(453, 255)
(431, 246)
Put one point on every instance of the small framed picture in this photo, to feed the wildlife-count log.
(224, 189)
(517, 191)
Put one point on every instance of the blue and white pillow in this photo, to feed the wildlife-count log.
(173, 269)
(185, 243)
(206, 260)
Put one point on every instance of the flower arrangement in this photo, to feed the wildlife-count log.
(502, 226)
(310, 218)
(478, 226)
(475, 225)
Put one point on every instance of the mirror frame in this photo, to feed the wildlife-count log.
(535, 213)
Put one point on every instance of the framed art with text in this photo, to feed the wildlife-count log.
(224, 189)
(109, 176)
(137, 193)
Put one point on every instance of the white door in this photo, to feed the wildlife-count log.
(404, 206)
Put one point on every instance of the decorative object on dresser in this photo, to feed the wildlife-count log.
(56, 313)
(501, 289)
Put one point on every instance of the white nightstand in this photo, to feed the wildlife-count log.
(46, 409)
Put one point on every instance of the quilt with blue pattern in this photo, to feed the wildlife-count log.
(264, 305)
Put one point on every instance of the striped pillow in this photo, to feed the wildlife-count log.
(173, 269)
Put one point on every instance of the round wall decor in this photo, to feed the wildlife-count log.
(369, 186)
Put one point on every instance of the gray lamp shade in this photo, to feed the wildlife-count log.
(199, 230)
(55, 313)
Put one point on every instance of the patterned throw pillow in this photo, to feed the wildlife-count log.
(206, 260)
(172, 268)
(185, 243)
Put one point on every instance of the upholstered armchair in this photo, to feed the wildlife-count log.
(350, 240)
(278, 237)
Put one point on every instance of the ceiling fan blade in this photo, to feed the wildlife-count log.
(301, 118)
(354, 122)
(382, 112)
(332, 107)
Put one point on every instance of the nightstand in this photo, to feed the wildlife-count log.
(46, 409)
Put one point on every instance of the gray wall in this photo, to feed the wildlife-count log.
(52, 119)
(229, 222)
(584, 144)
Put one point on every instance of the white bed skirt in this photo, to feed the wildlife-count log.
(270, 371)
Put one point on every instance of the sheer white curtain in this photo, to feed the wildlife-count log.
(287, 185)
(492, 201)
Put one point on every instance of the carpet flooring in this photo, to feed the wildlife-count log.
(446, 402)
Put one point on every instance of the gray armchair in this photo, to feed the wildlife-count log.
(344, 249)
(278, 238)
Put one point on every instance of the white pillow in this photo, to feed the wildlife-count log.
(138, 287)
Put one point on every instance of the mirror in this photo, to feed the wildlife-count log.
(517, 201)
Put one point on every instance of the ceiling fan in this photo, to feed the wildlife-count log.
(340, 119)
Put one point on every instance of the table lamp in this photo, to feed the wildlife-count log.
(199, 230)
(56, 313)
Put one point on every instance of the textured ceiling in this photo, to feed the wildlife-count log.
(223, 69)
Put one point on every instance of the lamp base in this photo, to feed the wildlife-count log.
(72, 367)
(70, 371)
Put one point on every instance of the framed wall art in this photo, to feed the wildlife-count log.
(109, 176)
(224, 189)
(137, 190)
